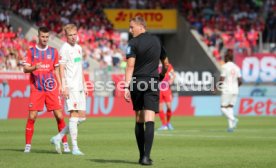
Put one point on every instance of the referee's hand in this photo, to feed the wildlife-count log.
(127, 95)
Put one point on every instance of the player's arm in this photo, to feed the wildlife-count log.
(29, 69)
(239, 77)
(62, 63)
(57, 69)
(172, 76)
(221, 79)
(164, 59)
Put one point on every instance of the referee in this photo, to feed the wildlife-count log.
(142, 78)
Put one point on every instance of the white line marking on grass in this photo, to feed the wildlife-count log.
(238, 136)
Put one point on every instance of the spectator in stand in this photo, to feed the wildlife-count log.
(252, 37)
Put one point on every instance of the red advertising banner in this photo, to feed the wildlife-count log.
(15, 92)
(257, 68)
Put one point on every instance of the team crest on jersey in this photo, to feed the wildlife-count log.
(31, 105)
(75, 105)
(48, 56)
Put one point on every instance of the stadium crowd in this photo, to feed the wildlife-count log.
(235, 24)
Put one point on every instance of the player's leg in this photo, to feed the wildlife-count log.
(169, 115)
(53, 103)
(225, 100)
(82, 116)
(162, 115)
(36, 104)
(30, 130)
(168, 100)
(231, 109)
(63, 130)
(73, 129)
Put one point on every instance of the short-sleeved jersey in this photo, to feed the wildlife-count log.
(71, 58)
(44, 78)
(231, 72)
(147, 51)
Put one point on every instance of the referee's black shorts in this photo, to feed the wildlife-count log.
(145, 94)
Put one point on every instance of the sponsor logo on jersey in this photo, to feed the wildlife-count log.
(77, 59)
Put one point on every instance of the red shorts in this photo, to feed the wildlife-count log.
(50, 99)
(165, 96)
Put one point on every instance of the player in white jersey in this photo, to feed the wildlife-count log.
(73, 86)
(231, 78)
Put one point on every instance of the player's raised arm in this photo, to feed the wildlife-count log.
(28, 67)
(164, 59)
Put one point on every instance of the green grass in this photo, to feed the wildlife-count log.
(109, 142)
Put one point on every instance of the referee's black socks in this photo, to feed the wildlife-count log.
(140, 139)
(149, 135)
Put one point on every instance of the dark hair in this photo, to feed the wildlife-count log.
(140, 20)
(228, 56)
(43, 29)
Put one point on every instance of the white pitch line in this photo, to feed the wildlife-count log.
(216, 136)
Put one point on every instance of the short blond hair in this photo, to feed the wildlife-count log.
(139, 20)
(69, 27)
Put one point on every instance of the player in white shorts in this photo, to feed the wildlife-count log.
(231, 78)
(73, 87)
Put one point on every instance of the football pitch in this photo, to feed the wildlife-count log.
(196, 142)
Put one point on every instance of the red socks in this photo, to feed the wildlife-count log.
(169, 115)
(162, 117)
(29, 131)
(61, 124)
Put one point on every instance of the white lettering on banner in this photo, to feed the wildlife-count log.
(254, 70)
(193, 78)
(5, 91)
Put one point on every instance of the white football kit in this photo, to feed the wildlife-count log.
(71, 58)
(230, 89)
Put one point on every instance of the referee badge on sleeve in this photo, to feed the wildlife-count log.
(128, 50)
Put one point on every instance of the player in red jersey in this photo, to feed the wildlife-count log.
(166, 98)
(42, 64)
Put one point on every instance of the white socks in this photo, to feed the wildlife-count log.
(229, 113)
(73, 128)
(65, 130)
(81, 119)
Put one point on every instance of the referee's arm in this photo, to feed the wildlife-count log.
(129, 70)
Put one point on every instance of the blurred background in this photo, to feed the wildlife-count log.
(195, 33)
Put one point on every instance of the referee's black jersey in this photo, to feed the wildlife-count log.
(147, 51)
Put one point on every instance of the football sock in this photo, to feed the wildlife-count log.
(229, 117)
(169, 116)
(61, 126)
(231, 113)
(139, 133)
(73, 129)
(162, 117)
(29, 131)
(81, 119)
(149, 135)
(63, 132)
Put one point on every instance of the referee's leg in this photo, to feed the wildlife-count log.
(149, 135)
